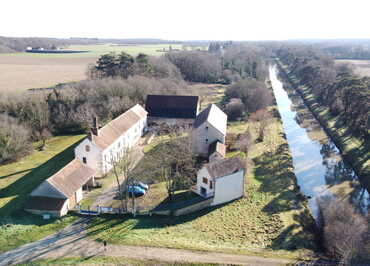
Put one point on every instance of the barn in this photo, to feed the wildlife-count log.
(172, 106)
(62, 191)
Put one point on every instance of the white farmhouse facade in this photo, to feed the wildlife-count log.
(209, 127)
(223, 180)
(93, 158)
(109, 143)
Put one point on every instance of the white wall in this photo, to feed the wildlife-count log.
(229, 188)
(203, 173)
(79, 195)
(93, 157)
(117, 148)
(200, 135)
(100, 160)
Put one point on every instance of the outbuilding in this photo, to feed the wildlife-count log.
(62, 191)
(223, 180)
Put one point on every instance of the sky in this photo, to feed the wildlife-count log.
(187, 19)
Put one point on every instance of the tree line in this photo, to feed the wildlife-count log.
(334, 86)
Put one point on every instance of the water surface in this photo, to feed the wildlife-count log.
(318, 165)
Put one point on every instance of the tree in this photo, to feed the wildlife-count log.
(174, 163)
(234, 109)
(14, 139)
(123, 164)
(342, 229)
(261, 118)
(126, 64)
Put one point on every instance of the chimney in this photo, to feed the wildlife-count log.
(95, 128)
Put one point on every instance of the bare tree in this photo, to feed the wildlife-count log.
(343, 230)
(262, 119)
(123, 165)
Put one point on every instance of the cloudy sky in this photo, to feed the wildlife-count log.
(187, 19)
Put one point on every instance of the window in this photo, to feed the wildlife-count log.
(210, 184)
(207, 141)
(119, 144)
(205, 180)
(87, 148)
(206, 127)
(84, 160)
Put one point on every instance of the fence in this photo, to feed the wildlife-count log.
(99, 210)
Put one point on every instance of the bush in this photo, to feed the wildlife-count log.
(343, 230)
(234, 109)
(14, 139)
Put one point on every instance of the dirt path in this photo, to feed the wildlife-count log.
(73, 242)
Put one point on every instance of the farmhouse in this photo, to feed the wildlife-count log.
(172, 109)
(209, 127)
(105, 145)
(62, 191)
(223, 180)
(94, 157)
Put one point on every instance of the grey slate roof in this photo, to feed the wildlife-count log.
(214, 116)
(224, 167)
(172, 106)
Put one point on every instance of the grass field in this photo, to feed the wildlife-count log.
(18, 179)
(22, 71)
(362, 67)
(272, 220)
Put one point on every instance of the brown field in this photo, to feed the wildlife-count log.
(362, 67)
(19, 73)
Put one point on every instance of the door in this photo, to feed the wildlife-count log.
(203, 191)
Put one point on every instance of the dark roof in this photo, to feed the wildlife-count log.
(217, 146)
(214, 116)
(224, 167)
(44, 203)
(172, 106)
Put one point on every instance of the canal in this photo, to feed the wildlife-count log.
(318, 165)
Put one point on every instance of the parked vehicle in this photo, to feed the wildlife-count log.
(136, 191)
(142, 185)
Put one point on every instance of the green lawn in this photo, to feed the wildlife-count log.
(18, 179)
(271, 220)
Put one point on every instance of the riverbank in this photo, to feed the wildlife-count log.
(352, 149)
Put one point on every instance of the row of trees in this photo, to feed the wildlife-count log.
(334, 86)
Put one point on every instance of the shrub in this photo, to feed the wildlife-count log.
(14, 139)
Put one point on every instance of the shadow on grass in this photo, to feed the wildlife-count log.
(275, 172)
(128, 223)
(21, 188)
(16, 173)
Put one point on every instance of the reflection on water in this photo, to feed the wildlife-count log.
(318, 165)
